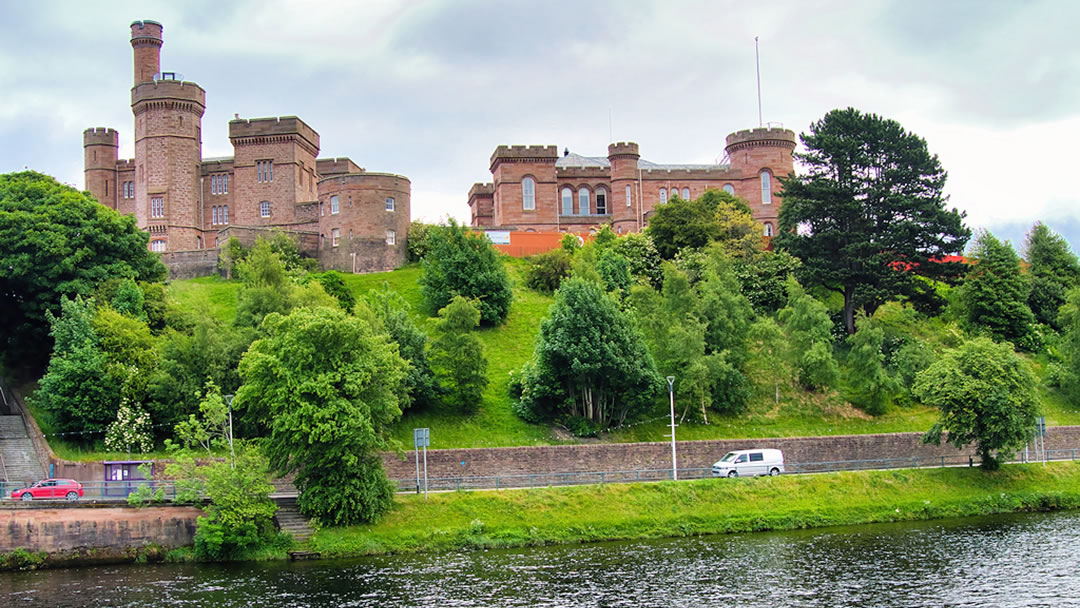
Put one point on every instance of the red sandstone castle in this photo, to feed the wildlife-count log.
(351, 219)
(536, 190)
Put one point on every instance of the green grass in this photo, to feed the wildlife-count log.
(509, 518)
(213, 294)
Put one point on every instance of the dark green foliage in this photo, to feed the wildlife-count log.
(605, 237)
(986, 394)
(727, 312)
(869, 387)
(154, 305)
(56, 241)
(1054, 270)
(869, 213)
(679, 224)
(762, 278)
(422, 388)
(547, 270)
(463, 263)
(808, 327)
(418, 240)
(994, 295)
(910, 359)
(614, 271)
(644, 259)
(589, 361)
(327, 385)
(255, 303)
(334, 285)
(1067, 368)
(457, 356)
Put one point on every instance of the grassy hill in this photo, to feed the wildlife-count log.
(509, 346)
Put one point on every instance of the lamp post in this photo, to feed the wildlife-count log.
(228, 401)
(674, 462)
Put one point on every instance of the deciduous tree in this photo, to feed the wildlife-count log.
(460, 262)
(457, 356)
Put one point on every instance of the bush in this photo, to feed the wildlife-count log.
(547, 270)
(580, 426)
(418, 240)
(463, 263)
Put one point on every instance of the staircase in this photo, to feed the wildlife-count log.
(290, 520)
(17, 452)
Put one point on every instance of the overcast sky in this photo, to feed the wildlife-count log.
(428, 89)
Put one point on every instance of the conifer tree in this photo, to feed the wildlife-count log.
(994, 295)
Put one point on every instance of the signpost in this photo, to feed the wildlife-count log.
(421, 439)
(674, 464)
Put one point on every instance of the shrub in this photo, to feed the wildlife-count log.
(463, 263)
(547, 270)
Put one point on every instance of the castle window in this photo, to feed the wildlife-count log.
(225, 214)
(157, 207)
(663, 195)
(157, 245)
(567, 201)
(686, 193)
(391, 237)
(333, 205)
(768, 229)
(265, 170)
(528, 194)
(213, 216)
(106, 187)
(224, 184)
(601, 201)
(628, 189)
(264, 209)
(583, 200)
(129, 189)
(729, 189)
(389, 203)
(766, 189)
(335, 236)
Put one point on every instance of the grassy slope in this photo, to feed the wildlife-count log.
(510, 345)
(458, 520)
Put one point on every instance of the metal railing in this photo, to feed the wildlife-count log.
(539, 480)
(103, 490)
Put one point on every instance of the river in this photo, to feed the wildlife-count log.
(1002, 561)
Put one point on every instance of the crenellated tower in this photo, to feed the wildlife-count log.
(100, 146)
(168, 146)
(626, 197)
(764, 153)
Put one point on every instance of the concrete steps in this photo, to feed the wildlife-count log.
(20, 461)
(289, 519)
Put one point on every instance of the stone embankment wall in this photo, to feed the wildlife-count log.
(61, 528)
(486, 462)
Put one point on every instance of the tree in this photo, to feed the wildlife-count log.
(809, 330)
(767, 342)
(334, 285)
(589, 361)
(210, 429)
(645, 261)
(422, 388)
(463, 263)
(738, 235)
(994, 295)
(870, 387)
(986, 394)
(457, 356)
(869, 213)
(131, 429)
(547, 270)
(56, 241)
(762, 279)
(678, 224)
(1054, 271)
(1066, 371)
(327, 385)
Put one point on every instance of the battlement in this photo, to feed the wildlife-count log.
(586, 172)
(664, 173)
(125, 164)
(384, 180)
(524, 153)
(336, 166)
(216, 165)
(242, 128)
(171, 90)
(146, 32)
(481, 189)
(623, 148)
(100, 136)
(764, 136)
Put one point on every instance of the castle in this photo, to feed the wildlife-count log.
(351, 219)
(535, 189)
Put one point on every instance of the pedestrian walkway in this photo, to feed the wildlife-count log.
(20, 462)
(290, 520)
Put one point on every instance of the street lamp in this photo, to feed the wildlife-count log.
(674, 462)
(228, 401)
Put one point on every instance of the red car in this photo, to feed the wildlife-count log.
(50, 488)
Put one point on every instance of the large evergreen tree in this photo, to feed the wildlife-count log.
(994, 295)
(1054, 271)
(869, 212)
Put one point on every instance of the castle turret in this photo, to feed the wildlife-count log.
(516, 171)
(766, 154)
(625, 206)
(146, 43)
(100, 147)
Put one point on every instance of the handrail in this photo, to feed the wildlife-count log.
(3, 468)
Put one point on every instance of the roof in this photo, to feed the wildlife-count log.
(577, 160)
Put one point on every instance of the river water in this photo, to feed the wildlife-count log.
(1008, 561)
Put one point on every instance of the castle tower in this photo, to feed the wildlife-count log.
(512, 169)
(100, 147)
(764, 154)
(625, 203)
(168, 146)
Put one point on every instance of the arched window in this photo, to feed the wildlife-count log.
(567, 201)
(528, 194)
(729, 189)
(686, 194)
(583, 200)
(768, 229)
(663, 195)
(766, 188)
(601, 201)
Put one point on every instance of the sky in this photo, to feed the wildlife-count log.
(428, 89)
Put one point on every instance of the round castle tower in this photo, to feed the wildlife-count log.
(100, 149)
(364, 223)
(764, 153)
(168, 145)
(625, 203)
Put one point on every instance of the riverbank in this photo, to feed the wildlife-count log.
(515, 518)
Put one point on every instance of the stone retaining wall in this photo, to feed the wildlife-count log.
(61, 528)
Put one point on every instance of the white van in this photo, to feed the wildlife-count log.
(747, 463)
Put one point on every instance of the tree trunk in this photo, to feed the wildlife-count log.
(703, 413)
(849, 309)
